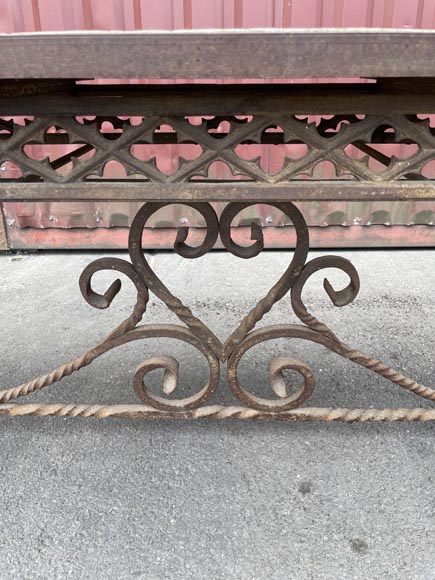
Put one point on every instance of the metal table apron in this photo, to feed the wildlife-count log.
(39, 76)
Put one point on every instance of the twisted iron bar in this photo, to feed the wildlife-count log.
(197, 334)
(98, 301)
(326, 414)
(342, 298)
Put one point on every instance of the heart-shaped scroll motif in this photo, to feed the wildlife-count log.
(217, 227)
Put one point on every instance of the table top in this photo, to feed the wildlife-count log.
(219, 54)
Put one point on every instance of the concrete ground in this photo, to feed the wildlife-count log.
(119, 499)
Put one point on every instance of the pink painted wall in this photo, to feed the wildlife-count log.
(33, 15)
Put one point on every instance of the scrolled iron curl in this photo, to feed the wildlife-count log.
(293, 278)
(144, 278)
(314, 331)
(342, 298)
(284, 401)
(170, 367)
(339, 298)
(128, 331)
(180, 246)
(317, 332)
(287, 279)
(98, 301)
(103, 301)
(153, 282)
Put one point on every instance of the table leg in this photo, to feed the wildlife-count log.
(279, 404)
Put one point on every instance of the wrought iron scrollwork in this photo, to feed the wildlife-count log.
(284, 404)
(358, 147)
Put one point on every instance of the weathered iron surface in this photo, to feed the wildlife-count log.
(348, 143)
(269, 143)
(376, 236)
(213, 99)
(211, 54)
(279, 403)
(297, 190)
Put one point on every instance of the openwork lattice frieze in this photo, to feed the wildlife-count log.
(278, 399)
(259, 148)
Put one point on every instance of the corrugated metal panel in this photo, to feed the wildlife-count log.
(33, 15)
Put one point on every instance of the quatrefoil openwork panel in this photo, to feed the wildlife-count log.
(278, 399)
(261, 148)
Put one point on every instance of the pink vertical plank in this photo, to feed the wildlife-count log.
(419, 16)
(319, 14)
(369, 13)
(433, 19)
(68, 16)
(331, 14)
(229, 14)
(6, 17)
(129, 22)
(36, 15)
(256, 14)
(388, 14)
(78, 15)
(355, 13)
(378, 14)
(207, 15)
(26, 5)
(187, 14)
(303, 14)
(238, 13)
(157, 15)
(427, 14)
(102, 15)
(118, 14)
(51, 15)
(405, 13)
(286, 14)
(88, 21)
(17, 13)
(178, 16)
(133, 16)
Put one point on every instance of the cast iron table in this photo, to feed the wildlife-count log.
(39, 81)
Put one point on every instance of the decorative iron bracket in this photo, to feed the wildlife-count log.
(280, 404)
